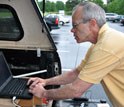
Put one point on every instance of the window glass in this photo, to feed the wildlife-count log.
(10, 27)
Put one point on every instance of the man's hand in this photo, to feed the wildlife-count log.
(36, 81)
(37, 90)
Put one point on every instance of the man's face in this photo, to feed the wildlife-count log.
(81, 31)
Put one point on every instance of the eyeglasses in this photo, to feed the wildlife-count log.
(76, 24)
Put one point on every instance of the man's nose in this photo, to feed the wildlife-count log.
(72, 30)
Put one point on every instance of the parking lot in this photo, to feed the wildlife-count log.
(72, 53)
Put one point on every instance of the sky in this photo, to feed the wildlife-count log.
(66, 0)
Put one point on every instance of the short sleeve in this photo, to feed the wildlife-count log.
(83, 62)
(99, 64)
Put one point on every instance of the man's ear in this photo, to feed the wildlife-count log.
(93, 22)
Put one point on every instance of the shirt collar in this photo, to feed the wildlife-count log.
(102, 30)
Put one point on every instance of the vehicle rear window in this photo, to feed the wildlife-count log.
(51, 16)
(10, 26)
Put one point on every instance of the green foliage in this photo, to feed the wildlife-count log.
(49, 6)
(40, 4)
(70, 4)
(59, 5)
(116, 6)
(53, 7)
(99, 2)
(5, 15)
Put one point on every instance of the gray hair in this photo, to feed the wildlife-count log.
(92, 11)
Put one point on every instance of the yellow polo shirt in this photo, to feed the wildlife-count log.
(104, 63)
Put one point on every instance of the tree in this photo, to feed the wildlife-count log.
(99, 2)
(59, 5)
(53, 7)
(109, 1)
(48, 6)
(70, 4)
(116, 6)
(121, 8)
(40, 4)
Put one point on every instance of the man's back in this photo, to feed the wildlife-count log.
(113, 82)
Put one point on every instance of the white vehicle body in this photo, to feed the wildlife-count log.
(63, 20)
(112, 17)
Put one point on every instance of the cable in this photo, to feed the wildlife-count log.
(13, 101)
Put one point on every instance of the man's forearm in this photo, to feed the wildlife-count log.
(75, 89)
(64, 78)
(65, 92)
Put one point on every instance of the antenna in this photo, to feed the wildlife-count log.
(43, 8)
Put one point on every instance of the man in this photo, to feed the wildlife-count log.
(104, 61)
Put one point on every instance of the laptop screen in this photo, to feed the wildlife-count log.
(4, 70)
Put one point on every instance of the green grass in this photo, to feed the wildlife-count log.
(5, 14)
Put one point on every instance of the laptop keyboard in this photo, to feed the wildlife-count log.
(16, 86)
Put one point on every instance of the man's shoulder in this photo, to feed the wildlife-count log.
(111, 41)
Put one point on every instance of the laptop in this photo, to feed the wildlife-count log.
(9, 86)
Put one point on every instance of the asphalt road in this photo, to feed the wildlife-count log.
(72, 53)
